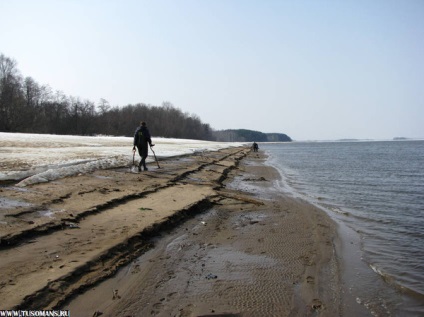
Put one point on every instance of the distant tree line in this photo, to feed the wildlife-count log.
(243, 135)
(26, 106)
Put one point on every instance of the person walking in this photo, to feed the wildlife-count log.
(142, 140)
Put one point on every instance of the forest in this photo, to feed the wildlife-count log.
(26, 106)
(29, 107)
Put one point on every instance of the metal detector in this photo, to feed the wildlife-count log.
(154, 154)
(133, 167)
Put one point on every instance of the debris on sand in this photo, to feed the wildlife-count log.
(211, 276)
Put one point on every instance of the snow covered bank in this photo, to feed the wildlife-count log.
(39, 158)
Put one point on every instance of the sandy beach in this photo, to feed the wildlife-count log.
(203, 235)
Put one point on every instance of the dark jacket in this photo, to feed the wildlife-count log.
(142, 137)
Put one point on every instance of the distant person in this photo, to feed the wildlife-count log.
(255, 147)
(141, 140)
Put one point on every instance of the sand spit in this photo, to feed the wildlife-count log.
(204, 235)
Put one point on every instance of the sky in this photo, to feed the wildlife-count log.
(315, 70)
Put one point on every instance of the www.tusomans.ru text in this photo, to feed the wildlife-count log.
(35, 313)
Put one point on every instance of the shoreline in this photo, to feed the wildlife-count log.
(277, 253)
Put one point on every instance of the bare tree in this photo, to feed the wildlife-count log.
(10, 94)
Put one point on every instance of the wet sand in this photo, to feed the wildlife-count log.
(204, 235)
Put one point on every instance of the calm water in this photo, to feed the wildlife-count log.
(377, 189)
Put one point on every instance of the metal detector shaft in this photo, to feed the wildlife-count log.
(154, 154)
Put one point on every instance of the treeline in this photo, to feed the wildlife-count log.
(26, 106)
(243, 135)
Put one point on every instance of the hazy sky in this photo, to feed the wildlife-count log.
(310, 69)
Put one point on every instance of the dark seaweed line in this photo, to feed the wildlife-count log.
(116, 257)
(203, 166)
(12, 240)
(38, 208)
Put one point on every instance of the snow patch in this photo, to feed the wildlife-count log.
(61, 172)
(40, 158)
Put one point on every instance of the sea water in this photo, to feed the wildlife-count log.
(375, 188)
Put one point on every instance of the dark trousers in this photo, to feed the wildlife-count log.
(143, 151)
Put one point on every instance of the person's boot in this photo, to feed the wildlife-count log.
(139, 167)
